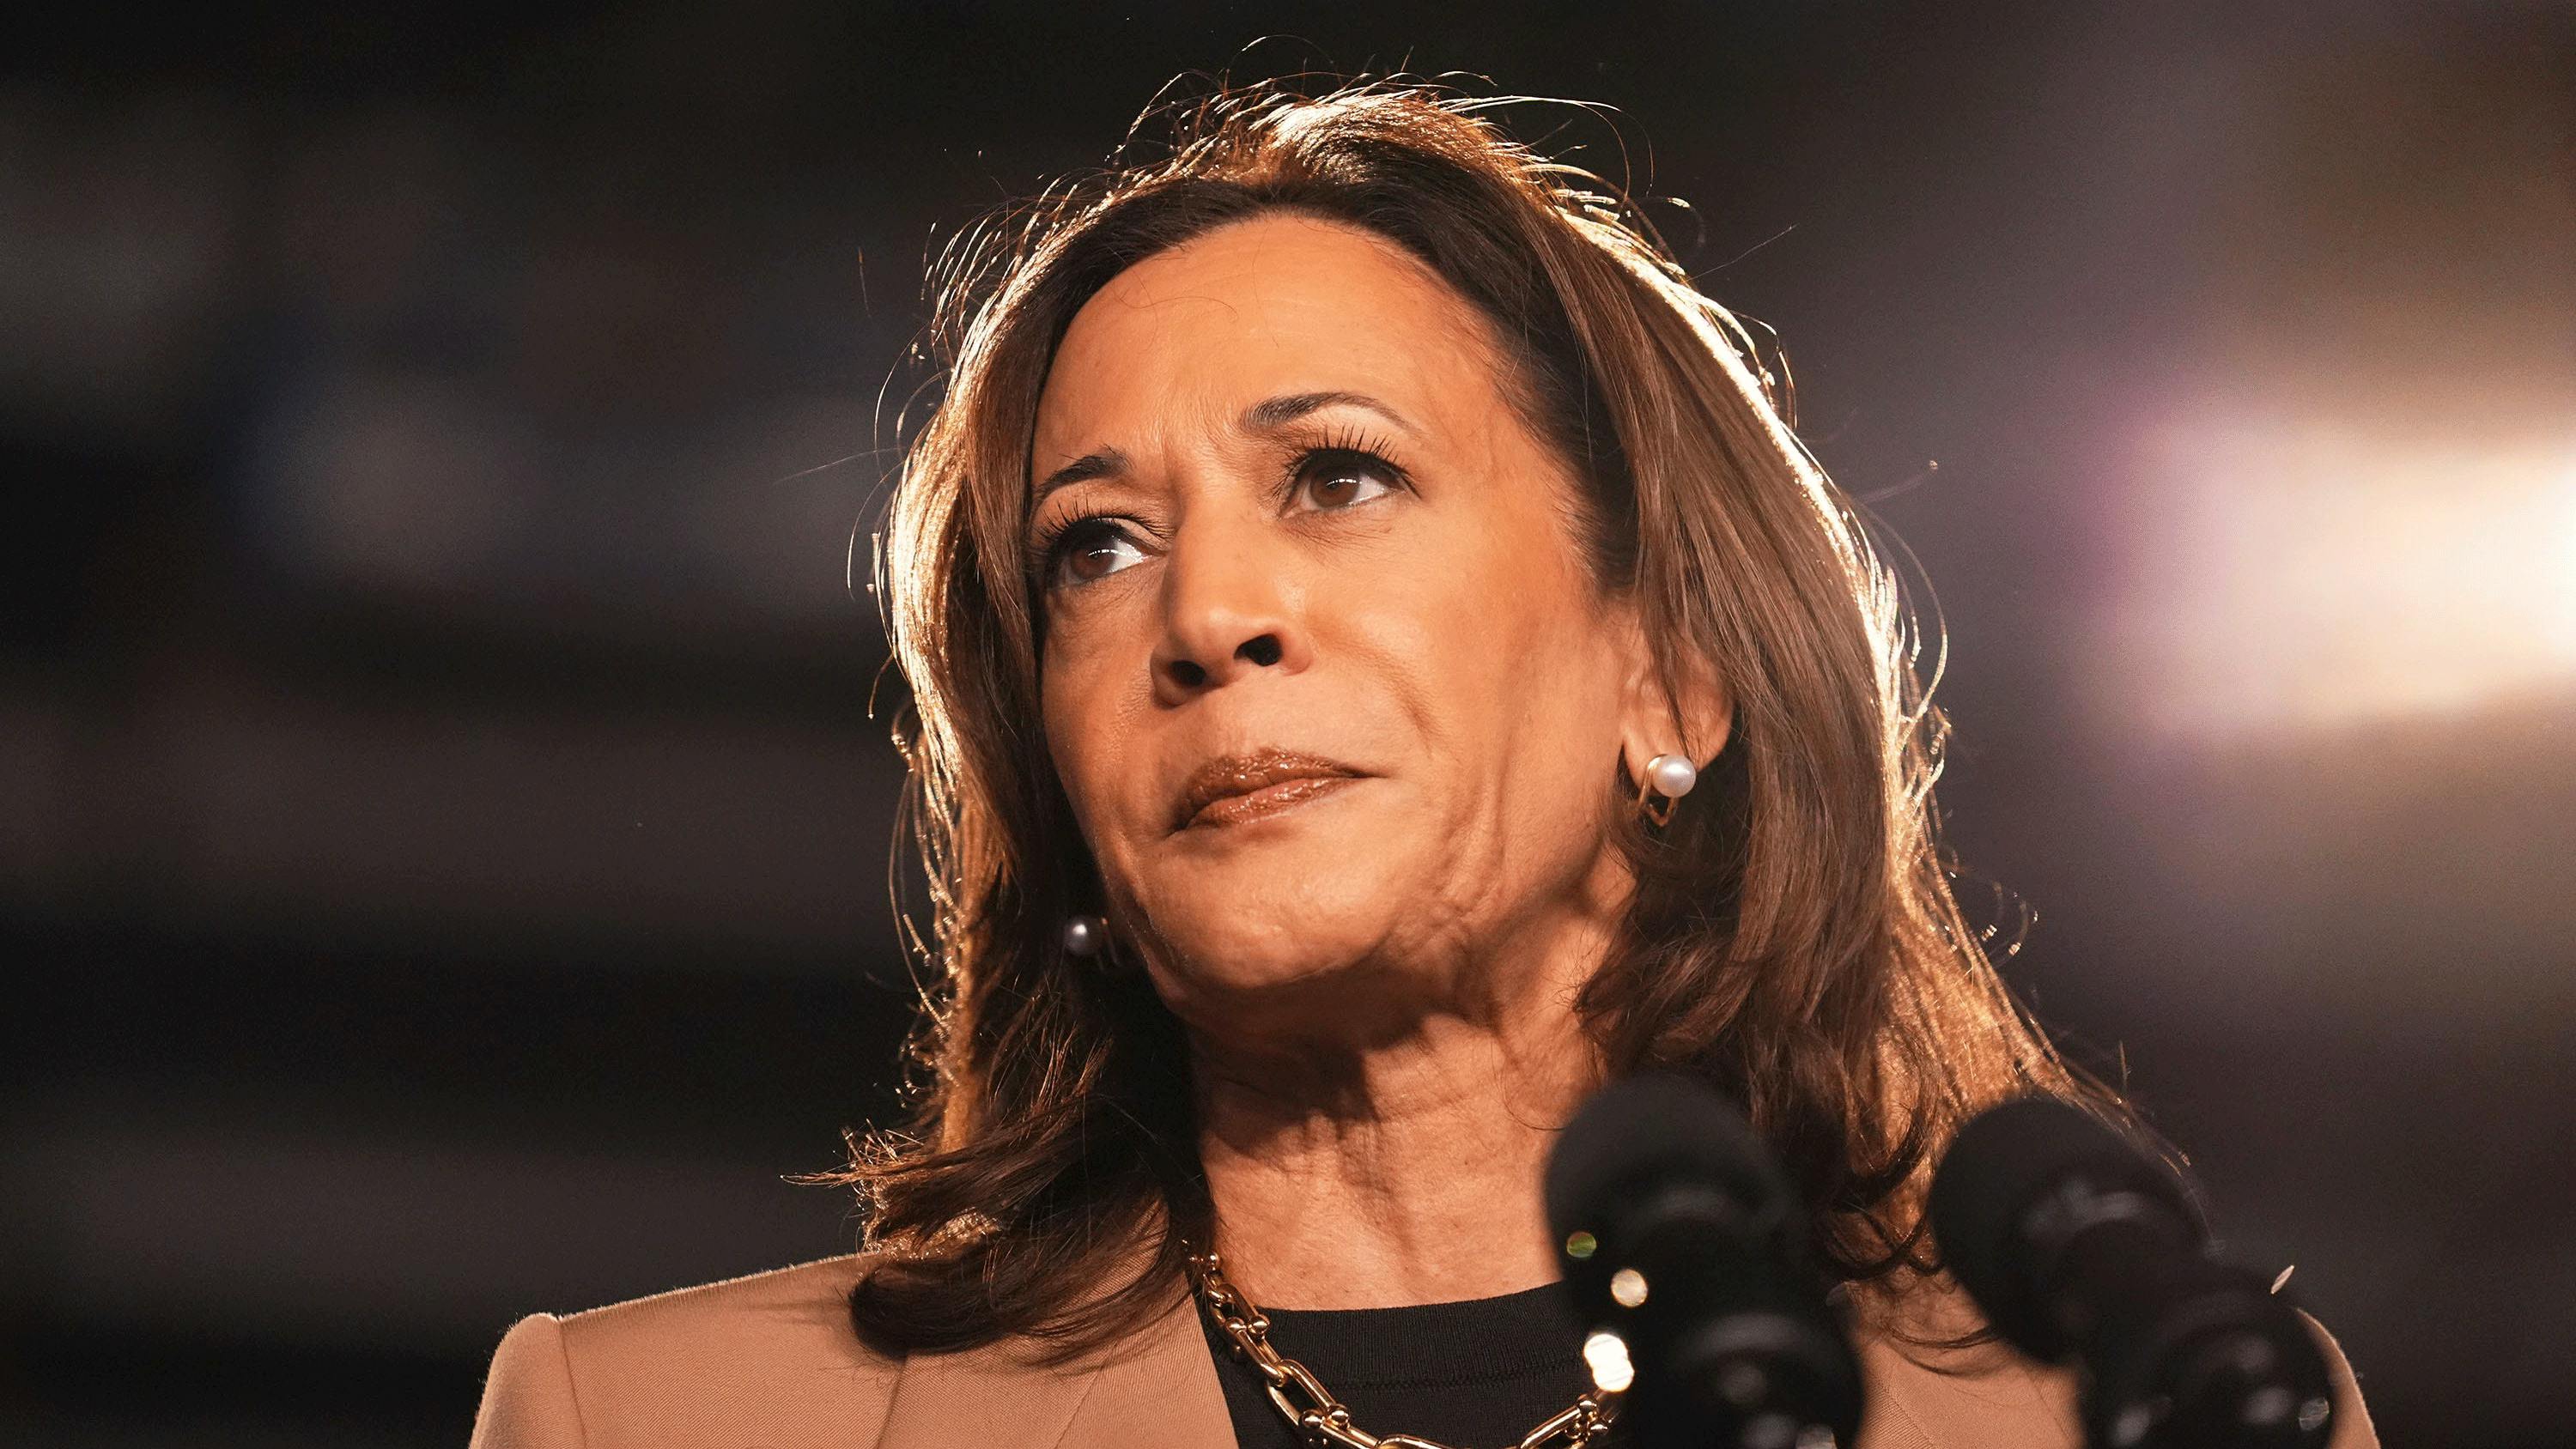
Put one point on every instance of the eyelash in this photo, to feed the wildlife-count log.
(1048, 551)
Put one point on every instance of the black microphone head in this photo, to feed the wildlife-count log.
(2002, 1164)
(1664, 1127)
(1685, 1243)
(2080, 1246)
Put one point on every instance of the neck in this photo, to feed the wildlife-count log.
(1404, 1168)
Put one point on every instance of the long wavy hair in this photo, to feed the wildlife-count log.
(1793, 937)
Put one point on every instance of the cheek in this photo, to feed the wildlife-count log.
(1087, 725)
(1498, 639)
(1065, 705)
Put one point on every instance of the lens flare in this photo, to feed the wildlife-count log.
(2300, 575)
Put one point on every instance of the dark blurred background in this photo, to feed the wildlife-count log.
(443, 838)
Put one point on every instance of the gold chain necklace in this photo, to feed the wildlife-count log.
(1320, 1420)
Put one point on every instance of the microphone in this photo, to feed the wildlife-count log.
(2077, 1245)
(1685, 1249)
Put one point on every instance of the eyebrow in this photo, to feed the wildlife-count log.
(1267, 416)
(1104, 463)
(1279, 412)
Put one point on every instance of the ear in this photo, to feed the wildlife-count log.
(1689, 713)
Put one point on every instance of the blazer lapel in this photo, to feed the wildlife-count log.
(1156, 1390)
(1164, 1396)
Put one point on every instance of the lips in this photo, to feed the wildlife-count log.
(1240, 788)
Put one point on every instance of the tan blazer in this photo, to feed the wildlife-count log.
(771, 1362)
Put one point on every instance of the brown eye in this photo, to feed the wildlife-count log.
(1093, 550)
(1331, 478)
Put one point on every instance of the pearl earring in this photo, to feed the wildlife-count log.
(1084, 935)
(1670, 776)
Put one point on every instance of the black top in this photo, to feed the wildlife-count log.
(1477, 1374)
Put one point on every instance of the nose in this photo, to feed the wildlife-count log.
(1228, 613)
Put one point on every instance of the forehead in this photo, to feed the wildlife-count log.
(1261, 308)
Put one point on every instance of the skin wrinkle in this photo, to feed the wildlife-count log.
(1363, 992)
(1377, 986)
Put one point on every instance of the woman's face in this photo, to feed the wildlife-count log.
(1326, 680)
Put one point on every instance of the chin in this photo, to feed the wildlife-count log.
(1276, 921)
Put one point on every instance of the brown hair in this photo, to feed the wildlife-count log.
(1793, 936)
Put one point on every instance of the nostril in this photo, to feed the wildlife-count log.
(1187, 674)
(1263, 651)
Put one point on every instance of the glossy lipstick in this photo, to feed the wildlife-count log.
(1236, 789)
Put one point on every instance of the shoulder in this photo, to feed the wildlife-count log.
(1925, 1394)
(798, 1316)
(751, 1359)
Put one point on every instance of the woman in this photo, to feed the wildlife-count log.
(1383, 667)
